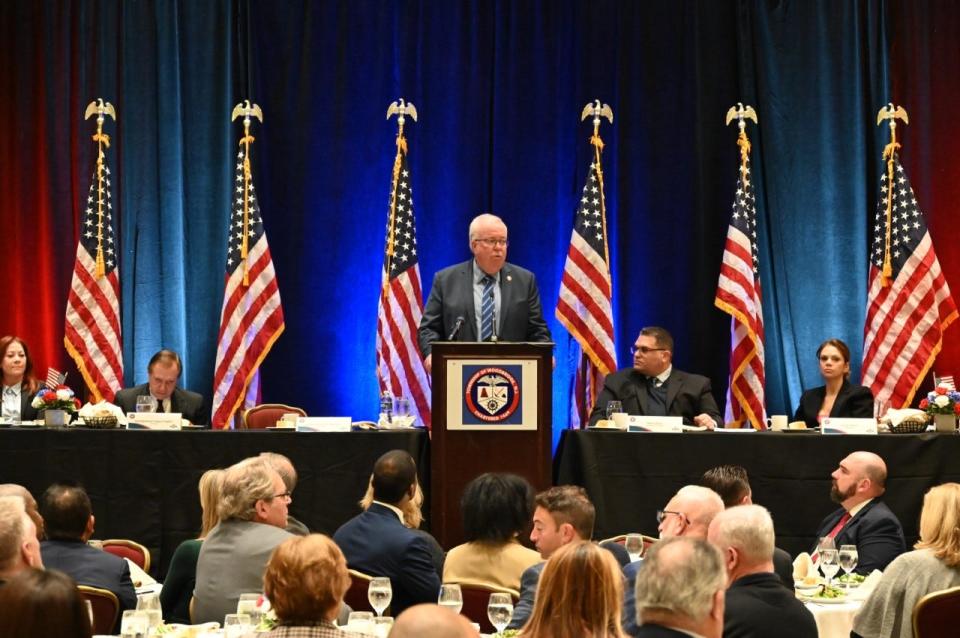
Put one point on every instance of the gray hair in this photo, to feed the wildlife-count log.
(680, 577)
(748, 529)
(283, 466)
(244, 484)
(480, 219)
(13, 529)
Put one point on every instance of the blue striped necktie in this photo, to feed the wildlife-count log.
(486, 314)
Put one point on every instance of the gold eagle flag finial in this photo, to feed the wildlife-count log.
(892, 113)
(101, 109)
(599, 110)
(741, 113)
(248, 111)
(401, 109)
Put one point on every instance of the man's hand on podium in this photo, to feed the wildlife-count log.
(428, 363)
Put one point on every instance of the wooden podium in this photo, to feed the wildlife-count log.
(491, 413)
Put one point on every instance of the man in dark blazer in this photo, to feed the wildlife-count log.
(757, 604)
(377, 543)
(69, 521)
(680, 590)
(163, 371)
(863, 519)
(654, 387)
(454, 309)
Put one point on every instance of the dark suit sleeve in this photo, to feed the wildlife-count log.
(420, 579)
(125, 592)
(628, 618)
(537, 329)
(860, 403)
(708, 405)
(528, 593)
(802, 414)
(431, 323)
(878, 542)
(600, 406)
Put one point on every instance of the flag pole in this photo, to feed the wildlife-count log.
(100, 108)
(246, 109)
(892, 113)
(598, 111)
(400, 109)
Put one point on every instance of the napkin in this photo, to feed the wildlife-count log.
(96, 409)
(896, 417)
(803, 566)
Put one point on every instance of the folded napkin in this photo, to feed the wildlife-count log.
(98, 409)
(896, 417)
(803, 566)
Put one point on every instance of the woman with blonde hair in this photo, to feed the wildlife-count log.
(579, 596)
(933, 565)
(182, 574)
(305, 581)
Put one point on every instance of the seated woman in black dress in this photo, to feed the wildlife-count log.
(838, 398)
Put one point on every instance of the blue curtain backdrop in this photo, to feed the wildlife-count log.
(499, 87)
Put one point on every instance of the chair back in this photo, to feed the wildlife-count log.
(356, 596)
(125, 548)
(476, 596)
(937, 614)
(266, 415)
(105, 606)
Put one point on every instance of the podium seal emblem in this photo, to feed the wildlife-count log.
(492, 394)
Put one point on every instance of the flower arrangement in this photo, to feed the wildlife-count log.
(942, 400)
(59, 398)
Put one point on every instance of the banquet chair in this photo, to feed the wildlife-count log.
(105, 606)
(266, 415)
(937, 614)
(356, 595)
(128, 549)
(476, 595)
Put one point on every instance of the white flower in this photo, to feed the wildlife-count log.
(37, 402)
(942, 401)
(64, 395)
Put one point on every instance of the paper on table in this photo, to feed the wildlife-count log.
(139, 577)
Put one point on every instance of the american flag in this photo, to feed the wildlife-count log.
(252, 317)
(584, 304)
(54, 378)
(908, 311)
(92, 331)
(399, 366)
(739, 295)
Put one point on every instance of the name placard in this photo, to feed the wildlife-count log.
(643, 423)
(324, 423)
(848, 426)
(154, 420)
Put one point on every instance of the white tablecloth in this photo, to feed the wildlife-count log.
(834, 620)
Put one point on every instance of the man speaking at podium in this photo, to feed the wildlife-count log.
(485, 298)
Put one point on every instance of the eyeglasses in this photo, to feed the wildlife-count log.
(284, 495)
(644, 350)
(662, 514)
(494, 242)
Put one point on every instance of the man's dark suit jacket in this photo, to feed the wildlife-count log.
(93, 567)
(876, 532)
(376, 543)
(190, 404)
(853, 401)
(451, 296)
(687, 395)
(759, 606)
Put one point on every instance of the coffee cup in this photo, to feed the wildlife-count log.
(777, 422)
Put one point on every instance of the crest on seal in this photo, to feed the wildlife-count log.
(492, 394)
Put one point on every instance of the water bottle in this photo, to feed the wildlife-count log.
(386, 406)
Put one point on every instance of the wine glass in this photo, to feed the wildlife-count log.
(612, 408)
(829, 564)
(249, 604)
(146, 403)
(236, 625)
(634, 546)
(150, 604)
(848, 559)
(500, 611)
(379, 593)
(451, 597)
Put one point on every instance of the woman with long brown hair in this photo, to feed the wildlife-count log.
(837, 397)
(19, 382)
(580, 595)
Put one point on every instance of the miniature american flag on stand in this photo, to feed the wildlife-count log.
(399, 365)
(252, 316)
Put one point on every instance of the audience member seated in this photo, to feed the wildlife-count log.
(19, 548)
(19, 381)
(182, 573)
(305, 581)
(580, 595)
(496, 510)
(12, 489)
(69, 520)
(163, 371)
(757, 604)
(284, 467)
(680, 590)
(733, 485)
(863, 519)
(412, 517)
(376, 542)
(429, 620)
(43, 604)
(564, 515)
(934, 565)
(689, 513)
(253, 515)
(838, 398)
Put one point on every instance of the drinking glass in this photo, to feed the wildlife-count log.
(825, 543)
(401, 406)
(149, 603)
(829, 564)
(612, 408)
(360, 622)
(134, 624)
(848, 559)
(146, 404)
(500, 611)
(236, 625)
(634, 546)
(379, 593)
(249, 604)
(451, 597)
(382, 626)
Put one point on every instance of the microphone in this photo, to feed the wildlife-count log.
(493, 328)
(456, 328)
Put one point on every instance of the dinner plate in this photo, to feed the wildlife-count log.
(825, 601)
